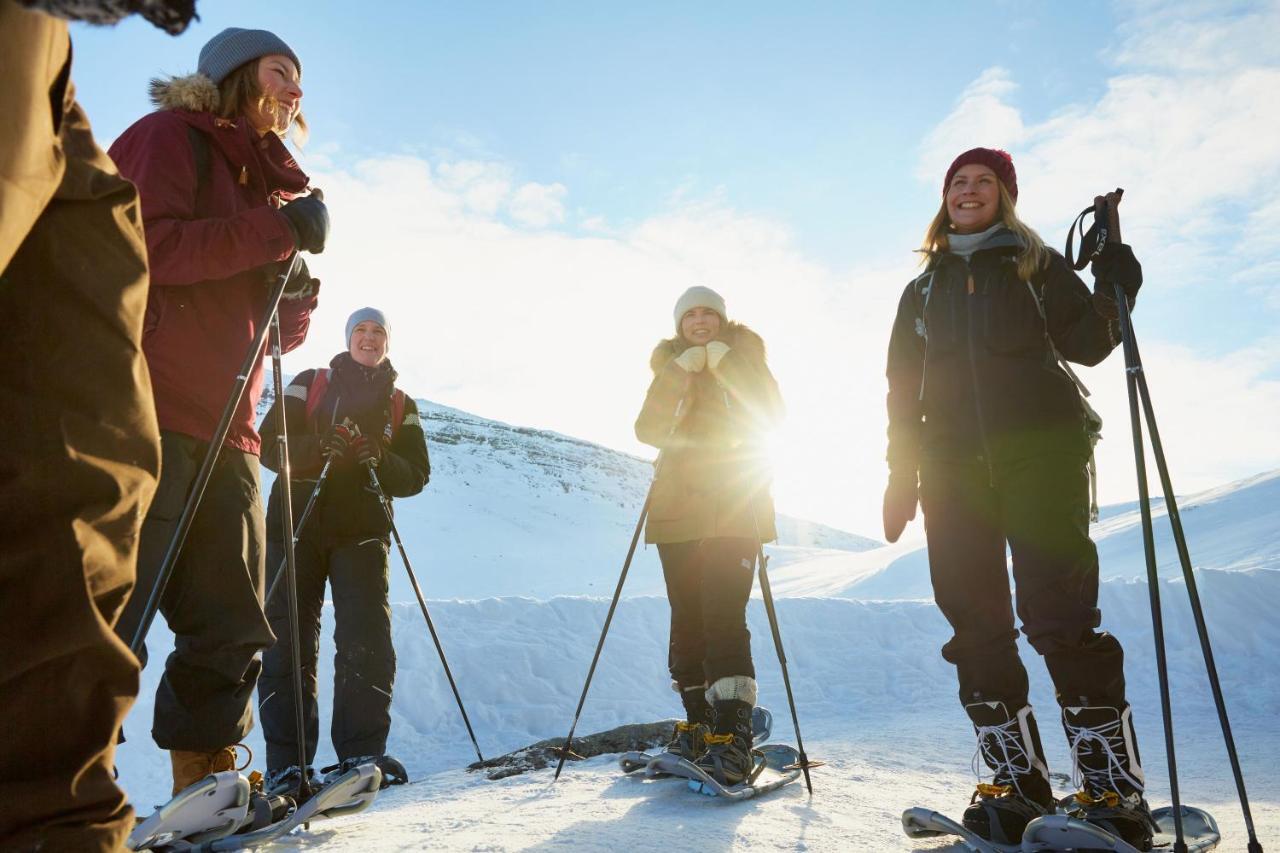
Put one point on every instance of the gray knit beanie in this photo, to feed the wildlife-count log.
(371, 314)
(234, 46)
(699, 297)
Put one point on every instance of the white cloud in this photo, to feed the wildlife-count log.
(538, 205)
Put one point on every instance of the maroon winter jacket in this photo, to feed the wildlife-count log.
(211, 259)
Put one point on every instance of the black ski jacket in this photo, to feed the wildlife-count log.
(971, 367)
(348, 508)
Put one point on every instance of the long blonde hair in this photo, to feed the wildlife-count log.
(1032, 258)
(239, 90)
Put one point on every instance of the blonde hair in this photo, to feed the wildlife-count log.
(239, 91)
(1032, 258)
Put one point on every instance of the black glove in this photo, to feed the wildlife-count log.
(367, 451)
(900, 500)
(338, 441)
(1117, 265)
(300, 285)
(309, 219)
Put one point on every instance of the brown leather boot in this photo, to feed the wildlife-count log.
(189, 767)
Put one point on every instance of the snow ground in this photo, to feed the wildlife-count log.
(876, 699)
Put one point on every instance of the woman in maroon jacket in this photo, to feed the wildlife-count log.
(222, 208)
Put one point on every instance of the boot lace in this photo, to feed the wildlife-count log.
(1095, 782)
(1000, 749)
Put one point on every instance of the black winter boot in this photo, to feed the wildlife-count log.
(1109, 772)
(688, 741)
(728, 758)
(1019, 792)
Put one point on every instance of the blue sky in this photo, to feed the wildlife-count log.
(523, 181)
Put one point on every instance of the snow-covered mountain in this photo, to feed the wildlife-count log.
(1235, 527)
(518, 511)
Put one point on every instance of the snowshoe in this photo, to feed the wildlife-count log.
(761, 730)
(1063, 832)
(215, 806)
(286, 781)
(351, 792)
(774, 765)
(393, 772)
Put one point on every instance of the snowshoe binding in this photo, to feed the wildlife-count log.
(1009, 745)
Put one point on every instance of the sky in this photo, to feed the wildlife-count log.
(526, 188)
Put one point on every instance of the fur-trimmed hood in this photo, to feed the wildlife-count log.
(735, 334)
(194, 92)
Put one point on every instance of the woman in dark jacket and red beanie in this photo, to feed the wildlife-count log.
(353, 416)
(215, 181)
(989, 433)
(708, 408)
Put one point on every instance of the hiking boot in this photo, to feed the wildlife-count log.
(393, 772)
(1108, 771)
(286, 781)
(190, 766)
(688, 741)
(1019, 791)
(728, 758)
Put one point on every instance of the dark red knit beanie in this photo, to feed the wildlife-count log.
(994, 159)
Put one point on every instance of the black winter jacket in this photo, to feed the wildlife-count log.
(348, 508)
(971, 369)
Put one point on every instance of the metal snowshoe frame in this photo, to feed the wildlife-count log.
(1106, 229)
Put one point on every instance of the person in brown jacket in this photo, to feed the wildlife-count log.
(711, 401)
(81, 452)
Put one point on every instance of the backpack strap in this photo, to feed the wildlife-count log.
(315, 392)
(1092, 420)
(397, 411)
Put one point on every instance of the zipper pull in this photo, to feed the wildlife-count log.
(970, 284)
(244, 182)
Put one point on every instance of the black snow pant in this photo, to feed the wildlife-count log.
(213, 602)
(708, 584)
(1039, 506)
(364, 662)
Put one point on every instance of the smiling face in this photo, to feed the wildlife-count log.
(278, 79)
(973, 199)
(368, 345)
(699, 326)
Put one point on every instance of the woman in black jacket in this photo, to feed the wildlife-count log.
(989, 433)
(352, 417)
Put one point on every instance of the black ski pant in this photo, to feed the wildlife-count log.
(1039, 507)
(213, 602)
(364, 663)
(80, 454)
(708, 584)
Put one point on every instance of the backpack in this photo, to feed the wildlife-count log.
(922, 285)
(315, 395)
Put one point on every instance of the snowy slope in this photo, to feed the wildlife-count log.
(1233, 527)
(517, 511)
(876, 701)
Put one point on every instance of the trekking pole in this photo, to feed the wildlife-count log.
(297, 530)
(210, 459)
(613, 605)
(290, 561)
(1109, 231)
(767, 593)
(422, 603)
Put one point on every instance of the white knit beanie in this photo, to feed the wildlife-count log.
(699, 297)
